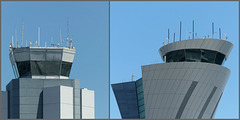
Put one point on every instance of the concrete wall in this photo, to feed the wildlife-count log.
(58, 102)
(44, 54)
(4, 104)
(185, 90)
(87, 104)
(26, 97)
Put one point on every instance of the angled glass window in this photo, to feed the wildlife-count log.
(38, 68)
(193, 55)
(196, 55)
(24, 68)
(139, 82)
(52, 67)
(208, 56)
(176, 56)
(219, 58)
(66, 68)
(142, 115)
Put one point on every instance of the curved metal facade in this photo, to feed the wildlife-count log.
(184, 90)
(190, 84)
(221, 46)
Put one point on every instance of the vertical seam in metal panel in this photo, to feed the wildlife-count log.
(185, 100)
(206, 103)
(216, 106)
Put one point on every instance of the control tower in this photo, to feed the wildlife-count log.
(188, 85)
(42, 88)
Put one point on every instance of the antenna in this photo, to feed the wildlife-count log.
(212, 29)
(174, 37)
(180, 29)
(70, 43)
(67, 29)
(12, 41)
(132, 77)
(168, 35)
(52, 41)
(219, 33)
(60, 36)
(67, 32)
(16, 37)
(38, 36)
(193, 30)
(189, 35)
(22, 33)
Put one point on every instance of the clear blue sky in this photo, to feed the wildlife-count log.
(89, 29)
(138, 30)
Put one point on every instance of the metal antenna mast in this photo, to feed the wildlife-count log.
(168, 35)
(22, 33)
(38, 36)
(67, 32)
(180, 29)
(219, 33)
(12, 41)
(174, 37)
(212, 30)
(193, 30)
(16, 37)
(60, 36)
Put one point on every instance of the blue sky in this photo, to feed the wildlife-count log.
(89, 29)
(138, 30)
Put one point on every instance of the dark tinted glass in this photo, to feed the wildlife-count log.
(176, 56)
(66, 68)
(24, 68)
(45, 67)
(142, 115)
(38, 68)
(139, 82)
(52, 67)
(208, 56)
(193, 55)
(219, 58)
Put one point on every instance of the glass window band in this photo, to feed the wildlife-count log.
(195, 55)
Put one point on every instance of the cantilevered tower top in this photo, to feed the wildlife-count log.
(42, 62)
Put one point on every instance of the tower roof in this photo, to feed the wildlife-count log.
(221, 46)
